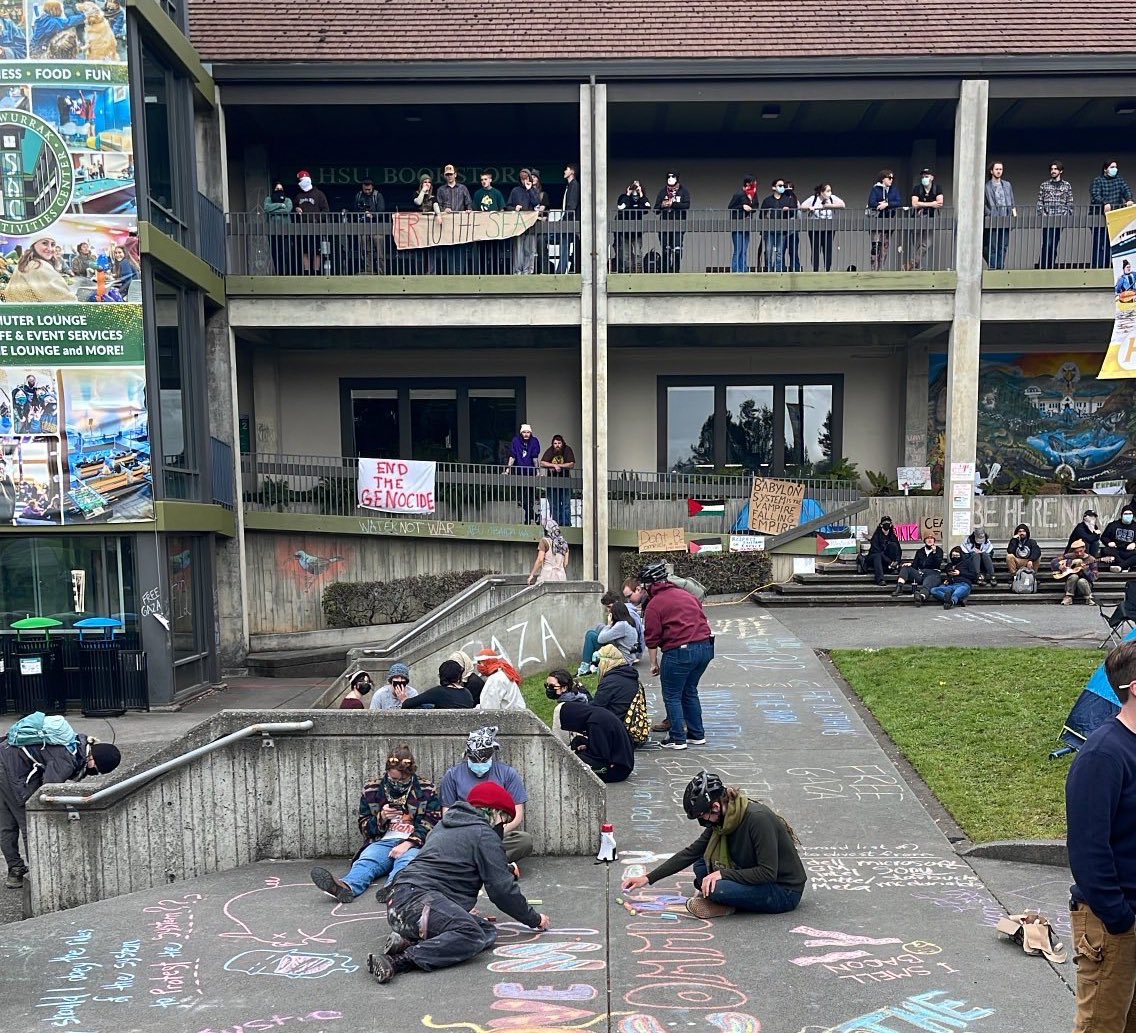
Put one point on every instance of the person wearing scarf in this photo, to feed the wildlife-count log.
(745, 860)
(502, 689)
(551, 562)
(473, 681)
(600, 740)
(620, 693)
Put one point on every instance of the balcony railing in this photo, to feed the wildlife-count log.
(1077, 239)
(352, 244)
(211, 233)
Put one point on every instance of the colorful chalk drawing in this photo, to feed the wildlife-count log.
(250, 909)
(920, 1011)
(290, 964)
(864, 868)
(547, 957)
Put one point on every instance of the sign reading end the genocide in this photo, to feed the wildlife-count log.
(666, 539)
(422, 229)
(775, 506)
(397, 485)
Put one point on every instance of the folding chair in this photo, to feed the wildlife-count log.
(1122, 621)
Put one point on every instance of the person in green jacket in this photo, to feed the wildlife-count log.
(278, 212)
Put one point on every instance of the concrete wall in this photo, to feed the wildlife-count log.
(297, 799)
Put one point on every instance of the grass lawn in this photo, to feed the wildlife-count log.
(532, 688)
(978, 725)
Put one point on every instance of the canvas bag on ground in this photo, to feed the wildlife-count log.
(1025, 582)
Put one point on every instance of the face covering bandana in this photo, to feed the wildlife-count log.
(306, 183)
(479, 767)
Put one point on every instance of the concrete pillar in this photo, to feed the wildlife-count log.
(914, 446)
(265, 402)
(966, 329)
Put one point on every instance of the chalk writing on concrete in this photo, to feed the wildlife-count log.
(856, 783)
(291, 964)
(981, 617)
(275, 1022)
(862, 868)
(257, 916)
(921, 1011)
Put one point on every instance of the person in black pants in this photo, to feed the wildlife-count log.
(672, 204)
(927, 561)
(884, 550)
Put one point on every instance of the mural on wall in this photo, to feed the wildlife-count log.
(1048, 415)
(309, 570)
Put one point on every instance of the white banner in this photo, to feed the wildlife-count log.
(397, 485)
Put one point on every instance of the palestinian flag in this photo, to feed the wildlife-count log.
(822, 543)
(700, 545)
(706, 507)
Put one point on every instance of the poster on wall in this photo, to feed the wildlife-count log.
(1046, 414)
(1120, 362)
(74, 428)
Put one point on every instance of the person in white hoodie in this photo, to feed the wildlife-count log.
(502, 689)
(979, 543)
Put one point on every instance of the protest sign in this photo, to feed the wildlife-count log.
(397, 485)
(909, 477)
(747, 543)
(775, 506)
(1120, 360)
(422, 229)
(666, 539)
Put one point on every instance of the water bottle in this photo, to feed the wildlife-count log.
(607, 842)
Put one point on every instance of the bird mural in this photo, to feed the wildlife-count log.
(314, 567)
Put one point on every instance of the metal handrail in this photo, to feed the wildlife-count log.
(142, 777)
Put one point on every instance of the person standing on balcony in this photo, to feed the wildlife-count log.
(487, 198)
(370, 209)
(776, 209)
(569, 259)
(454, 197)
(558, 462)
(1054, 205)
(820, 208)
(1108, 191)
(998, 202)
(741, 207)
(426, 201)
(884, 202)
(629, 211)
(524, 454)
(672, 204)
(926, 200)
(278, 212)
(310, 206)
(792, 234)
(542, 208)
(522, 198)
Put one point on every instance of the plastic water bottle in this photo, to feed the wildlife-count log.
(607, 842)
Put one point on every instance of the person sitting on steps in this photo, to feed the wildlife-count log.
(960, 576)
(884, 550)
(979, 545)
(1079, 570)
(927, 561)
(1118, 542)
(1022, 552)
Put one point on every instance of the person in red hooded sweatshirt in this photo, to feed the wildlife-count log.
(742, 206)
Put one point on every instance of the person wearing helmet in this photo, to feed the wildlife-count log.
(478, 767)
(745, 860)
(431, 904)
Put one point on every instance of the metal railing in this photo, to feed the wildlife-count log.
(355, 244)
(467, 492)
(714, 241)
(265, 729)
(223, 473)
(211, 233)
(1075, 239)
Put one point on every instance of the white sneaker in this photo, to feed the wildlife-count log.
(670, 744)
(695, 742)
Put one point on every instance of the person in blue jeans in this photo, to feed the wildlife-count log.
(959, 578)
(396, 814)
(745, 860)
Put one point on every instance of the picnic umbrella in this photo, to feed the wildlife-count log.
(1097, 703)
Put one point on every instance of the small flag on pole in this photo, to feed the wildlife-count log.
(701, 545)
(706, 507)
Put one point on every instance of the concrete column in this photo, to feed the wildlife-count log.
(914, 446)
(966, 329)
(265, 402)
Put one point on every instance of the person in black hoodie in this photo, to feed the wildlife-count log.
(961, 574)
(1088, 531)
(1118, 542)
(776, 209)
(620, 693)
(884, 550)
(601, 741)
(629, 210)
(918, 573)
(1022, 552)
(672, 204)
(449, 695)
(741, 207)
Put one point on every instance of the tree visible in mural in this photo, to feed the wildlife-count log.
(1045, 415)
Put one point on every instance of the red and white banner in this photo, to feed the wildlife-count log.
(397, 485)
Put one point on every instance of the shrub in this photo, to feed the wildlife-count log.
(723, 573)
(357, 604)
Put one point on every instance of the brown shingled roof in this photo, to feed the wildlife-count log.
(574, 30)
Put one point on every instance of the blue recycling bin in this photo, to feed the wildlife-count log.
(101, 686)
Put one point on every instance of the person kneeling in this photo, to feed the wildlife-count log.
(600, 740)
(1078, 569)
(746, 860)
(961, 574)
(431, 907)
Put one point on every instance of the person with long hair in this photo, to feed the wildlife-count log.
(36, 278)
(820, 208)
(472, 681)
(620, 693)
(551, 563)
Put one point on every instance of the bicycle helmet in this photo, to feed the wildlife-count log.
(653, 572)
(701, 792)
(481, 743)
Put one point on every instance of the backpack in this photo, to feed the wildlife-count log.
(1025, 583)
(37, 729)
(636, 720)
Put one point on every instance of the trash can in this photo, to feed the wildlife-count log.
(101, 687)
(36, 677)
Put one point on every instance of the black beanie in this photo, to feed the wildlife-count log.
(450, 672)
(106, 757)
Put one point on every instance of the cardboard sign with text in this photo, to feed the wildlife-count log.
(421, 229)
(931, 525)
(666, 539)
(775, 506)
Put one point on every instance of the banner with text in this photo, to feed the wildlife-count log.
(74, 426)
(1120, 362)
(397, 485)
(775, 506)
(421, 229)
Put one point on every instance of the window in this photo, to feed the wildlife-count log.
(471, 421)
(779, 425)
(167, 127)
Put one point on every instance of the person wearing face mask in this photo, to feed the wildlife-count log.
(1022, 552)
(820, 208)
(523, 198)
(356, 696)
(599, 739)
(449, 694)
(672, 204)
(776, 210)
(918, 573)
(310, 207)
(432, 907)
(745, 860)
(396, 814)
(397, 689)
(1109, 190)
(1055, 206)
(629, 209)
(926, 200)
(1088, 531)
(479, 767)
(278, 212)
(998, 205)
(884, 550)
(561, 687)
(884, 203)
(960, 576)
(741, 207)
(1118, 542)
(979, 545)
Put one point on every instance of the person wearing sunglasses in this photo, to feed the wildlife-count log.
(397, 689)
(396, 814)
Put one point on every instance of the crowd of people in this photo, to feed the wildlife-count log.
(47, 271)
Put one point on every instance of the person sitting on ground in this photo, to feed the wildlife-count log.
(432, 909)
(1118, 542)
(447, 695)
(884, 550)
(1079, 570)
(979, 545)
(619, 691)
(480, 765)
(928, 560)
(470, 679)
(592, 636)
(600, 740)
(561, 687)
(502, 689)
(959, 578)
(1089, 531)
(745, 860)
(396, 814)
(355, 697)
(397, 689)
(620, 631)
(1022, 552)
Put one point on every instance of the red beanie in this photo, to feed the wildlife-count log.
(493, 796)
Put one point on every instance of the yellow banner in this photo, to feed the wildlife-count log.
(1120, 362)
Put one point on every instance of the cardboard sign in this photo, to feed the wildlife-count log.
(667, 539)
(775, 506)
(908, 477)
(397, 485)
(747, 543)
(931, 525)
(908, 532)
(422, 229)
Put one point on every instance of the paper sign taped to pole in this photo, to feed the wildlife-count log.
(665, 539)
(775, 506)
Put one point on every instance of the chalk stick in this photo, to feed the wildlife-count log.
(619, 900)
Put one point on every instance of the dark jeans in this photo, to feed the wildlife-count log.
(671, 241)
(282, 263)
(994, 245)
(1117, 558)
(560, 505)
(13, 824)
(879, 560)
(1102, 248)
(679, 673)
(1050, 242)
(985, 564)
(441, 932)
(792, 252)
(527, 501)
(821, 244)
(766, 898)
(955, 593)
